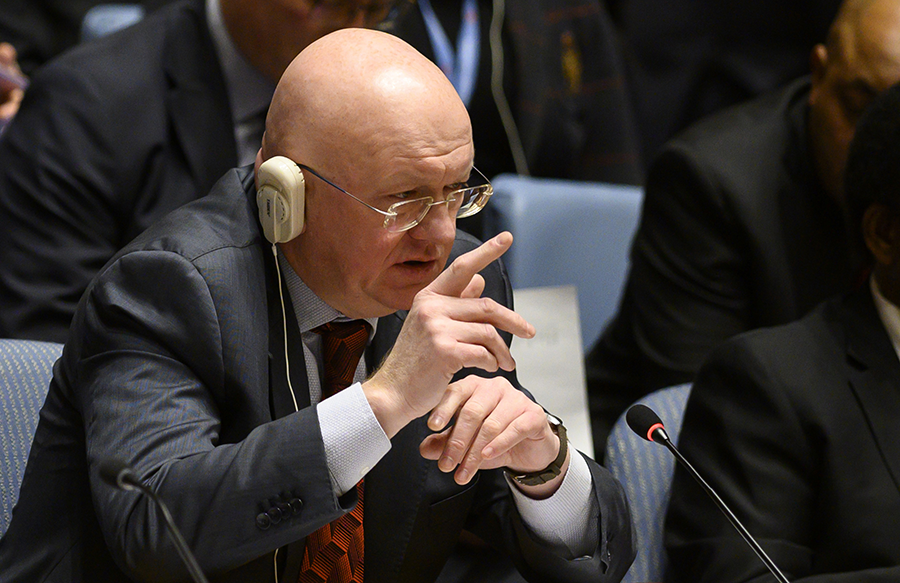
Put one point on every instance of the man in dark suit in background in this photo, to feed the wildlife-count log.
(742, 224)
(200, 356)
(118, 132)
(42, 29)
(560, 78)
(687, 59)
(796, 426)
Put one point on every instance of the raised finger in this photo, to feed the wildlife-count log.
(488, 311)
(454, 280)
(481, 346)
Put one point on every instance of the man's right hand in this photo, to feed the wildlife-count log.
(449, 327)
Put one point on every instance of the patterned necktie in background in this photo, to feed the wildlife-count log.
(334, 553)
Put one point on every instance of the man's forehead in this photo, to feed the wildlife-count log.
(870, 47)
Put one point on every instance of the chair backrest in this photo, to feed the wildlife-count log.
(645, 470)
(104, 19)
(568, 233)
(25, 370)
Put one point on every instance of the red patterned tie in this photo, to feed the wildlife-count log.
(334, 553)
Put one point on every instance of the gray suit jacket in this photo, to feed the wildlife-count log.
(175, 364)
(110, 137)
(796, 428)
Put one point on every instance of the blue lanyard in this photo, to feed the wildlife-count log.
(460, 66)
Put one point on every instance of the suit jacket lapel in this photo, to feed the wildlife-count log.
(874, 375)
(198, 99)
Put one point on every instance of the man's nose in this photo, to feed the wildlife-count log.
(438, 224)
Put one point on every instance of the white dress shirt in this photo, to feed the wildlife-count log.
(889, 314)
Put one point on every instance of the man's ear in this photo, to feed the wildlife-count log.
(259, 160)
(881, 231)
(818, 62)
(256, 166)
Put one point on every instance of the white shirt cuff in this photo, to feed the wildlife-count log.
(354, 440)
(566, 520)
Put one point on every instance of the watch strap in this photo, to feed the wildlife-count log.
(551, 471)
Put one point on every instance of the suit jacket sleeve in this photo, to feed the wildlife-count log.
(155, 389)
(685, 292)
(745, 433)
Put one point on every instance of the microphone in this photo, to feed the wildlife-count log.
(119, 475)
(643, 421)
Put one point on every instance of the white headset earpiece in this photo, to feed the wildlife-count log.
(281, 199)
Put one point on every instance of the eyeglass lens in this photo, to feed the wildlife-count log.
(463, 203)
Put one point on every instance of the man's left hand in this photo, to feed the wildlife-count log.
(496, 426)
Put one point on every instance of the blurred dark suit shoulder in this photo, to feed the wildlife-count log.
(735, 233)
(111, 136)
(795, 426)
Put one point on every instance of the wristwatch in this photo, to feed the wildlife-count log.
(555, 467)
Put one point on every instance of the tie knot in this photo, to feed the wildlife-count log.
(344, 330)
(343, 344)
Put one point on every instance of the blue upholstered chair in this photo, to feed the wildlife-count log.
(25, 371)
(645, 470)
(104, 19)
(568, 233)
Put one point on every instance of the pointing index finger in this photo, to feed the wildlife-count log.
(454, 280)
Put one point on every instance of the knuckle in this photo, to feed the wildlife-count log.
(474, 410)
(459, 267)
(492, 426)
(488, 331)
(428, 311)
(488, 306)
(456, 444)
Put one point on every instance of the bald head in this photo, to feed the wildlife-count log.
(860, 60)
(350, 90)
(371, 117)
(866, 31)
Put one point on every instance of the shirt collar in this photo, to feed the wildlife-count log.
(249, 91)
(889, 314)
(310, 309)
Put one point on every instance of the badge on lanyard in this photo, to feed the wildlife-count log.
(459, 65)
(571, 63)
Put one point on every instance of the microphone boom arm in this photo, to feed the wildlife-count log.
(773, 568)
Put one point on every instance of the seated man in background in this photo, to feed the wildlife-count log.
(217, 365)
(796, 426)
(559, 78)
(743, 223)
(118, 132)
(42, 29)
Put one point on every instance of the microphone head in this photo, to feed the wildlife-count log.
(112, 470)
(643, 421)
